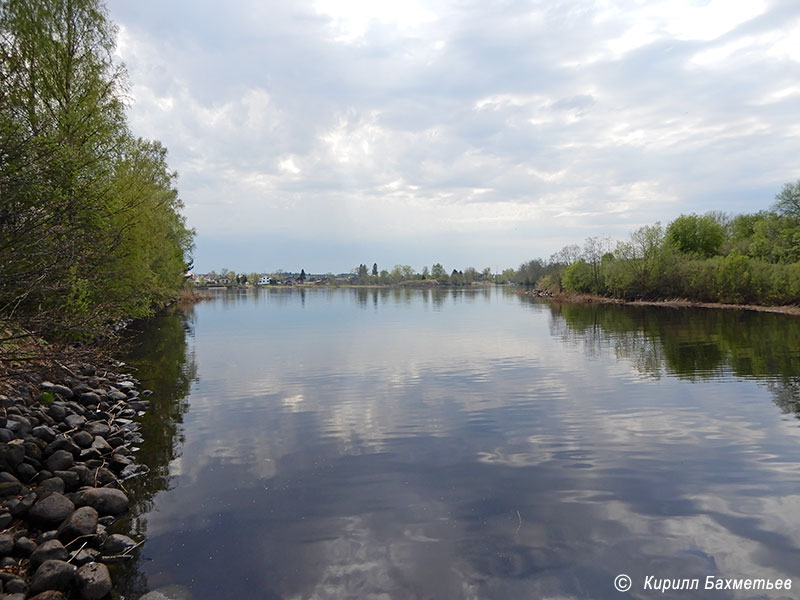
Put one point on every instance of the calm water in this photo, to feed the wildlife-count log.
(400, 444)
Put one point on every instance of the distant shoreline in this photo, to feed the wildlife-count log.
(672, 303)
(421, 284)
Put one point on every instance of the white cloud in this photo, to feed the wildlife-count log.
(365, 121)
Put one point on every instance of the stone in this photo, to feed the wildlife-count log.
(44, 432)
(7, 477)
(90, 454)
(120, 461)
(52, 509)
(75, 421)
(52, 575)
(133, 471)
(46, 536)
(102, 476)
(20, 506)
(57, 411)
(83, 556)
(139, 405)
(71, 479)
(107, 501)
(33, 449)
(117, 543)
(24, 546)
(101, 535)
(80, 388)
(89, 398)
(10, 488)
(98, 428)
(6, 544)
(26, 471)
(12, 454)
(5, 519)
(49, 595)
(101, 445)
(19, 425)
(6, 435)
(93, 581)
(83, 439)
(54, 484)
(15, 586)
(61, 390)
(117, 396)
(62, 442)
(76, 408)
(5, 562)
(82, 522)
(60, 460)
(49, 550)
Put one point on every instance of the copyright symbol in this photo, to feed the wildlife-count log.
(622, 583)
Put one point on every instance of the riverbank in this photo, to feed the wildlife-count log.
(674, 303)
(67, 447)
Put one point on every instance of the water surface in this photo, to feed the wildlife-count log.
(401, 444)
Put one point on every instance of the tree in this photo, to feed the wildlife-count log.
(593, 251)
(695, 235)
(374, 269)
(302, 274)
(787, 202)
(90, 228)
(640, 257)
(567, 255)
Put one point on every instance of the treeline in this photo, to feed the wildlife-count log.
(743, 259)
(90, 223)
(436, 274)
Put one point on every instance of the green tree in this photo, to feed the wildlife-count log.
(89, 230)
(439, 274)
(640, 261)
(695, 235)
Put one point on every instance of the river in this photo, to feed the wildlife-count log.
(407, 444)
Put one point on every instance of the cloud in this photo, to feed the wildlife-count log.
(356, 120)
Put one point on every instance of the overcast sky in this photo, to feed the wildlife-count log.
(324, 134)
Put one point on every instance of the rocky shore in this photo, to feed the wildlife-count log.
(65, 454)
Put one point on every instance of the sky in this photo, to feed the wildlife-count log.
(327, 133)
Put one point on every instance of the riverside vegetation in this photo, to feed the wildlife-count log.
(746, 259)
(90, 225)
(91, 236)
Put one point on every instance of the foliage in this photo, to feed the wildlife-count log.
(753, 258)
(90, 228)
(695, 235)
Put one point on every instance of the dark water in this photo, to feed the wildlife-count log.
(400, 444)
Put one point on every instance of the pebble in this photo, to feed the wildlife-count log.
(52, 509)
(52, 575)
(82, 522)
(55, 459)
(51, 550)
(93, 581)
